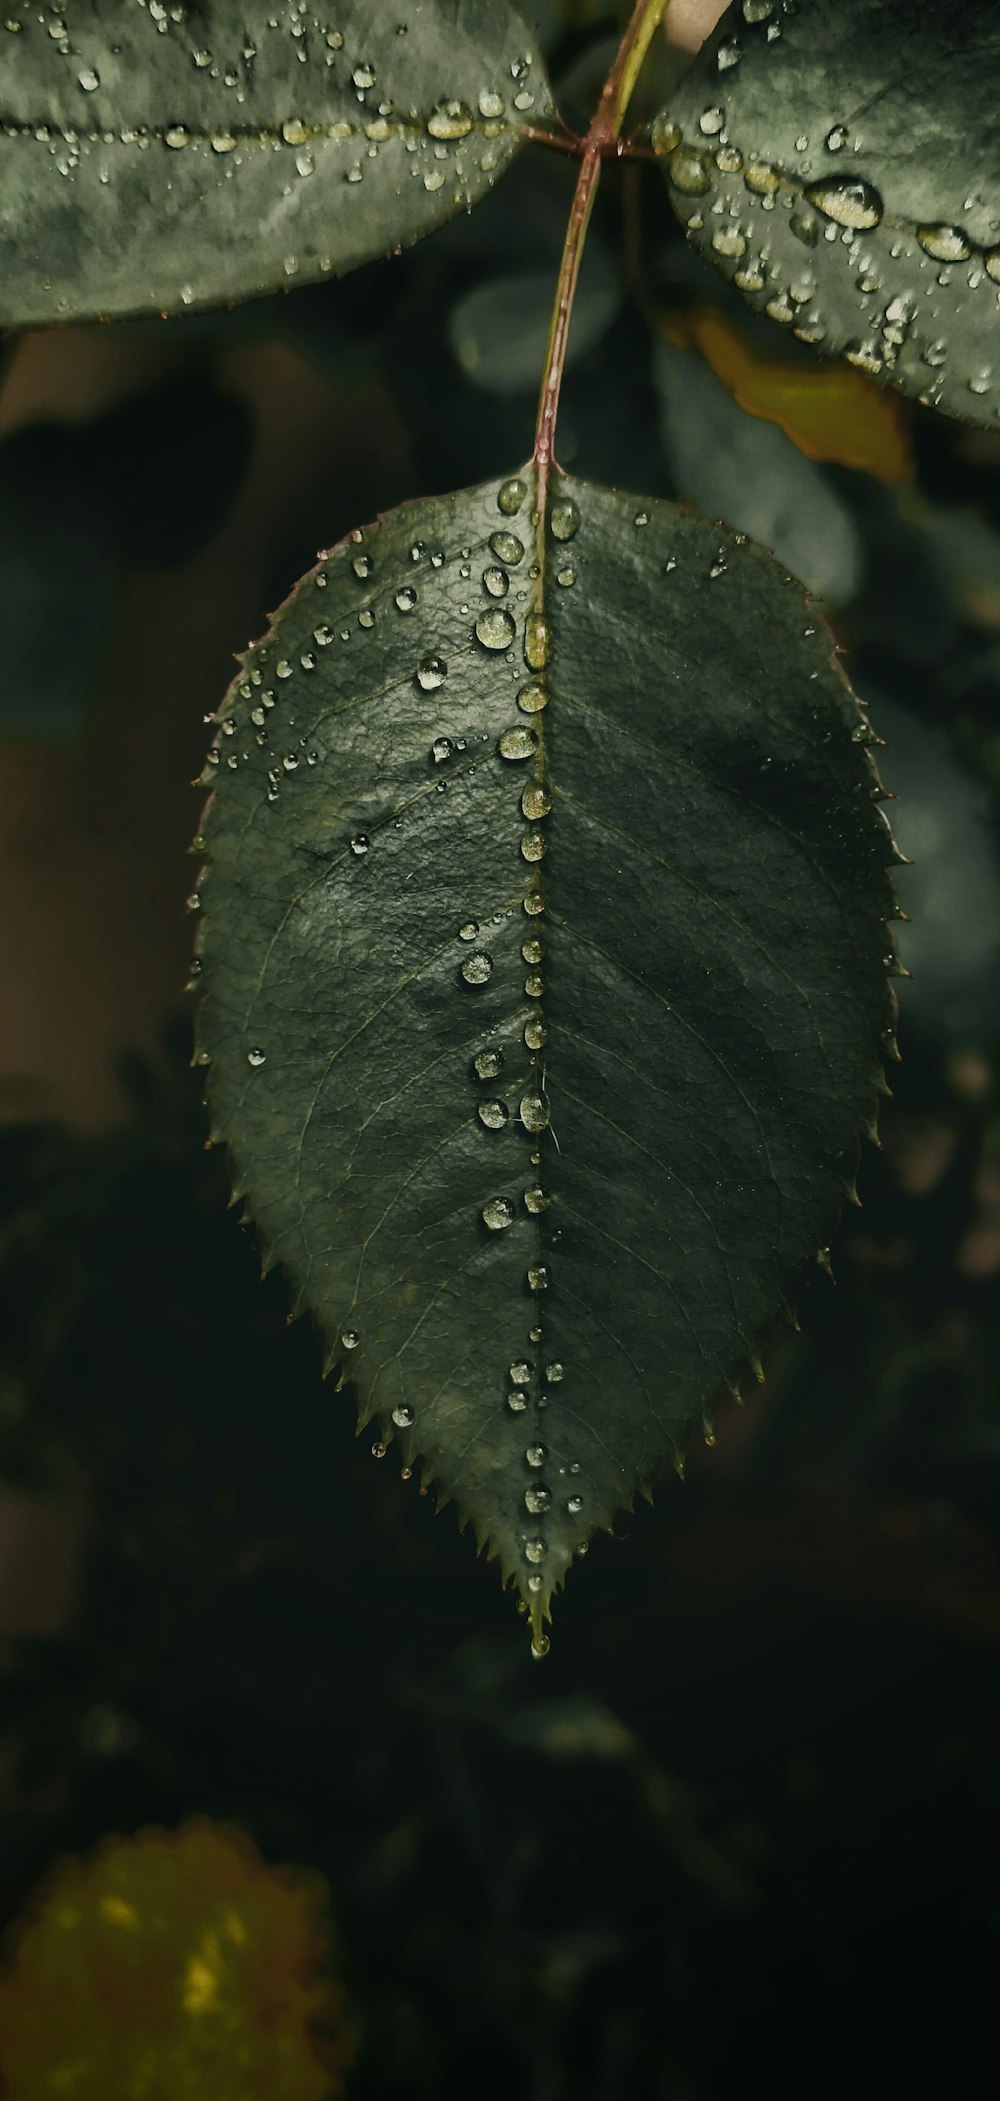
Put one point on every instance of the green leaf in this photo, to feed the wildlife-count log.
(840, 161)
(544, 945)
(498, 331)
(153, 157)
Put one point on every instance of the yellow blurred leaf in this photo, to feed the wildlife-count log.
(830, 411)
(173, 1967)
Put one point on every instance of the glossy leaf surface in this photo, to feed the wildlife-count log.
(840, 161)
(156, 158)
(544, 949)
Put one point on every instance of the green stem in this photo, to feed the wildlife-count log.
(603, 138)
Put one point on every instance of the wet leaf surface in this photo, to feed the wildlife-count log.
(839, 161)
(152, 162)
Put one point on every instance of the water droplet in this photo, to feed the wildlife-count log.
(947, 244)
(350, 1339)
(761, 178)
(532, 951)
(405, 599)
(537, 641)
(487, 1063)
(256, 1057)
(363, 75)
(362, 566)
(536, 1455)
(533, 903)
(511, 495)
(498, 1214)
(518, 743)
(431, 673)
(360, 844)
(757, 10)
(537, 1501)
(534, 1112)
(575, 1505)
(856, 204)
(805, 227)
(711, 122)
(493, 1114)
(540, 1643)
(450, 120)
(536, 801)
(378, 1450)
(496, 582)
(517, 1403)
(535, 1200)
(478, 968)
(837, 139)
(535, 1549)
(728, 55)
(538, 1277)
(728, 240)
(520, 1373)
(89, 80)
(441, 749)
(555, 1373)
(564, 519)
(534, 986)
(496, 628)
(490, 103)
(402, 1416)
(507, 548)
(534, 845)
(533, 697)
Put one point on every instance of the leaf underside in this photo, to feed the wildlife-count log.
(544, 1006)
(841, 163)
(153, 158)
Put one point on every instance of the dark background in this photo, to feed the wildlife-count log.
(736, 1836)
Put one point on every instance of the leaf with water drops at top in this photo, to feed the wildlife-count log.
(155, 157)
(840, 161)
(544, 949)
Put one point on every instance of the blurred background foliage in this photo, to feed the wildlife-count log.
(737, 1835)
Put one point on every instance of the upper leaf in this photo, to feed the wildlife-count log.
(544, 943)
(840, 160)
(155, 157)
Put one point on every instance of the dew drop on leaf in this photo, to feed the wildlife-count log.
(496, 628)
(477, 969)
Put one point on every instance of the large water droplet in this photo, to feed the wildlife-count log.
(518, 742)
(406, 599)
(535, 1549)
(520, 1373)
(536, 1455)
(533, 697)
(362, 566)
(534, 1112)
(689, 172)
(431, 673)
(856, 204)
(564, 519)
(256, 1057)
(537, 641)
(536, 801)
(497, 1214)
(403, 1416)
(496, 628)
(487, 1064)
(350, 1339)
(575, 1505)
(496, 582)
(537, 1501)
(947, 244)
(511, 495)
(450, 120)
(478, 968)
(507, 548)
(493, 1114)
(534, 846)
(517, 1403)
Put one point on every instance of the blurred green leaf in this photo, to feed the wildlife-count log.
(498, 331)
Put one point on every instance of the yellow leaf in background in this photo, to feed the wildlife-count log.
(173, 1967)
(830, 411)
